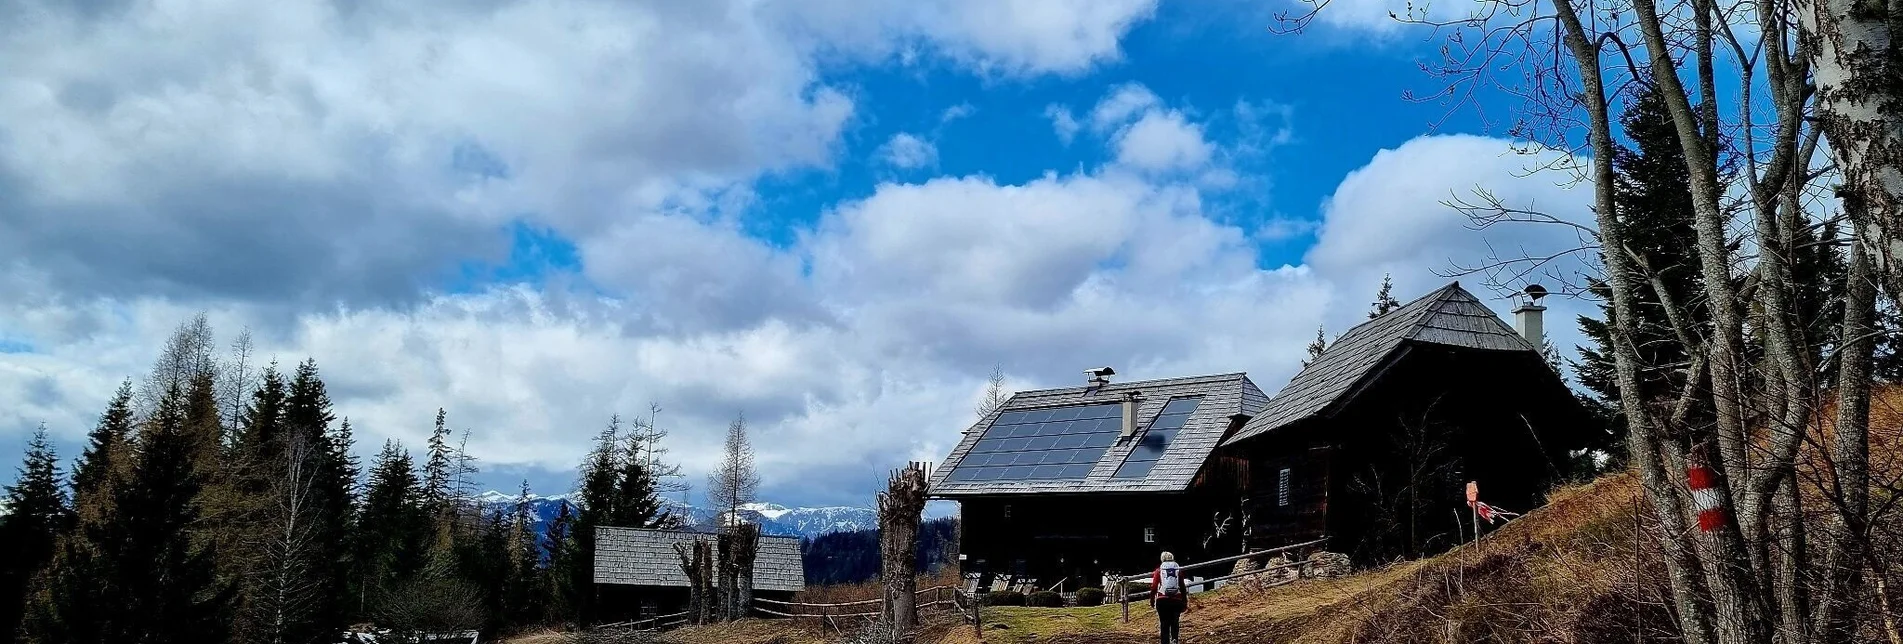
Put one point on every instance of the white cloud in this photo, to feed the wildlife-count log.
(909, 152)
(1163, 141)
(1063, 122)
(1390, 216)
(310, 172)
(956, 112)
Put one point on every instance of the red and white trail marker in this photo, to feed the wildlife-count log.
(1709, 503)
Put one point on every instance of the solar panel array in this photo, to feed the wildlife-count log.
(1042, 444)
(1154, 441)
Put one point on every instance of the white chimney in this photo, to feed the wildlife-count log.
(1529, 318)
(1129, 416)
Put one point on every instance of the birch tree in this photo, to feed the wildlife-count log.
(1716, 449)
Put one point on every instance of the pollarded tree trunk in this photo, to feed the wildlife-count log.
(1858, 57)
(899, 510)
(696, 564)
(746, 547)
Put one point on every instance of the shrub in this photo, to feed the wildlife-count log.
(1137, 588)
(1045, 599)
(1004, 598)
(1090, 597)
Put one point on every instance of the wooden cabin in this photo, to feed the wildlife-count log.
(1370, 446)
(1060, 487)
(638, 572)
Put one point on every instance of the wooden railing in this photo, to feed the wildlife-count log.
(650, 624)
(1124, 597)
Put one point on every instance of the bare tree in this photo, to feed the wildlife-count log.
(187, 353)
(1717, 453)
(995, 395)
(287, 579)
(236, 383)
(735, 482)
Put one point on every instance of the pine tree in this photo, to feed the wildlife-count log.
(1384, 300)
(36, 515)
(1316, 348)
(106, 451)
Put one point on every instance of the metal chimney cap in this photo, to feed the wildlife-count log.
(1100, 372)
(1535, 292)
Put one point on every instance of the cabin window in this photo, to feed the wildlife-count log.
(1149, 534)
(1281, 488)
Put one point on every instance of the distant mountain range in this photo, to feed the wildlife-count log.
(776, 520)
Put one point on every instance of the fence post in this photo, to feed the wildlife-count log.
(1123, 597)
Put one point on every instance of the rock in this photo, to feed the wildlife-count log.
(1323, 565)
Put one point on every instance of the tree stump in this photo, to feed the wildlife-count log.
(745, 548)
(900, 507)
(697, 565)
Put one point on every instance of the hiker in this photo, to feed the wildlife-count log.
(1170, 597)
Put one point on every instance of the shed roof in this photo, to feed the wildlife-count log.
(640, 557)
(1221, 396)
(1448, 316)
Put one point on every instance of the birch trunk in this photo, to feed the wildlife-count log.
(1855, 50)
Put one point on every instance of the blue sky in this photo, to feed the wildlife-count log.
(831, 217)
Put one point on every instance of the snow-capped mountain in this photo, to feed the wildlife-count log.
(774, 519)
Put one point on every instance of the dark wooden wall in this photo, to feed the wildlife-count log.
(1078, 538)
(1384, 474)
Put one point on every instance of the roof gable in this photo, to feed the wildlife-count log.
(1221, 397)
(641, 557)
(1448, 316)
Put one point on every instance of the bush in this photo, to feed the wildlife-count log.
(1090, 597)
(1004, 598)
(1135, 588)
(1045, 599)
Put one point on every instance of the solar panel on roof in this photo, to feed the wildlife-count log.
(1043, 444)
(1156, 440)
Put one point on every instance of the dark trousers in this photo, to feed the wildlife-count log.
(1169, 614)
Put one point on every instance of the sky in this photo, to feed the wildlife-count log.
(831, 217)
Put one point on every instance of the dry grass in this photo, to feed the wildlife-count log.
(842, 593)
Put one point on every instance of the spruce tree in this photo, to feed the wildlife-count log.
(525, 591)
(438, 471)
(36, 515)
(636, 502)
(599, 479)
(1653, 191)
(1384, 300)
(165, 572)
(391, 538)
(106, 450)
(264, 417)
(558, 546)
(311, 446)
(1316, 348)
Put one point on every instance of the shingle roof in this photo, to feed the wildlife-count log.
(639, 557)
(1447, 316)
(1222, 396)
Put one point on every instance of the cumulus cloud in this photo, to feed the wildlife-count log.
(313, 170)
(908, 151)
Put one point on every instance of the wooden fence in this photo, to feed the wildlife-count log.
(1124, 597)
(964, 604)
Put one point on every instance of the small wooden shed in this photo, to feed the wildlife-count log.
(638, 572)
